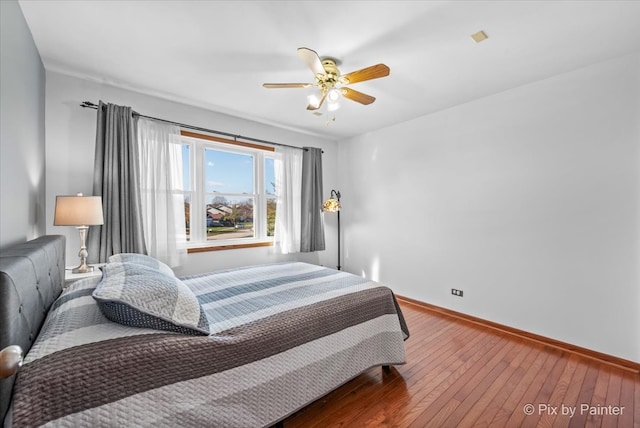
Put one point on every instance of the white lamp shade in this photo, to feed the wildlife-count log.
(333, 106)
(333, 95)
(78, 211)
(313, 100)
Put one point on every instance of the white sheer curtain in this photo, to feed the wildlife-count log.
(160, 183)
(288, 171)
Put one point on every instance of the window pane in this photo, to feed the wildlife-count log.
(270, 190)
(186, 167)
(227, 172)
(187, 215)
(229, 218)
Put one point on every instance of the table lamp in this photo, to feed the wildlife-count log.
(82, 212)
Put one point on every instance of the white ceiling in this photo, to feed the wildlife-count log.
(217, 54)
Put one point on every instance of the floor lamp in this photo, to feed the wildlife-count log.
(333, 205)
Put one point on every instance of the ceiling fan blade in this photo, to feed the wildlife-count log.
(311, 58)
(312, 107)
(373, 72)
(356, 96)
(288, 85)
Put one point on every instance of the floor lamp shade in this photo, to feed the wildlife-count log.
(82, 212)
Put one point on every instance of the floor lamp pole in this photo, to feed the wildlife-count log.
(333, 205)
(339, 239)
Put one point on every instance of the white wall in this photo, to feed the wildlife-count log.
(528, 200)
(70, 144)
(22, 162)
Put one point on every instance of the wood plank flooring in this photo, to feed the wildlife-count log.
(459, 374)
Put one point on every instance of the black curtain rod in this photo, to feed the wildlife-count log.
(88, 104)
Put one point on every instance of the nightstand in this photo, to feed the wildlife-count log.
(73, 277)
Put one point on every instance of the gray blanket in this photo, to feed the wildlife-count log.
(282, 336)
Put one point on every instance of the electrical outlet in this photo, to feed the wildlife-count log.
(456, 292)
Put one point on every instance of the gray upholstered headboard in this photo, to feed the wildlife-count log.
(31, 278)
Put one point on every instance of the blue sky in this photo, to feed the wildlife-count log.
(227, 172)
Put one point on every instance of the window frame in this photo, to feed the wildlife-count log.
(198, 142)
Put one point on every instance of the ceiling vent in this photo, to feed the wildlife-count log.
(479, 36)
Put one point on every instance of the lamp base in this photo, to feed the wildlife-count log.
(83, 268)
(83, 254)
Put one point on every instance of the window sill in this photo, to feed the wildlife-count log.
(206, 248)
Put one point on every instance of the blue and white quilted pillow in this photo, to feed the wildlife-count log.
(140, 296)
(141, 259)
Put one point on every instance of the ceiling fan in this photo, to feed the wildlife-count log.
(331, 82)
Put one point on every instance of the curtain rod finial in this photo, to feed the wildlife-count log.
(88, 104)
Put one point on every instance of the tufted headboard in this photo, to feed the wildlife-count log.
(31, 278)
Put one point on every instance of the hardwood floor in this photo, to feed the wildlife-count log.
(459, 374)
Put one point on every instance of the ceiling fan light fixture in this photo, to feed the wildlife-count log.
(333, 95)
(333, 106)
(313, 100)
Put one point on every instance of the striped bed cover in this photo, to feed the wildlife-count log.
(282, 335)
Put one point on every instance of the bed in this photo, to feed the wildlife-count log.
(255, 345)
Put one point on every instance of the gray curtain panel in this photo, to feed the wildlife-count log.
(116, 179)
(312, 226)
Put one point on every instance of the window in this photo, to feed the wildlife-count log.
(229, 191)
